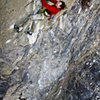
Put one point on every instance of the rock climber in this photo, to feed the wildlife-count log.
(53, 9)
(49, 11)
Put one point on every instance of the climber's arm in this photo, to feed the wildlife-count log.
(44, 4)
(54, 1)
(52, 9)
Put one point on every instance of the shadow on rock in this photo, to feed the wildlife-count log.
(3, 88)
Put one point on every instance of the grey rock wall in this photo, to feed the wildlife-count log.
(64, 61)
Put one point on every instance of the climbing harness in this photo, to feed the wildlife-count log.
(44, 12)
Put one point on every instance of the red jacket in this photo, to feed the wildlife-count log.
(53, 10)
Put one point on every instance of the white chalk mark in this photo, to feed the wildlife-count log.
(11, 27)
(79, 11)
(8, 41)
(91, 6)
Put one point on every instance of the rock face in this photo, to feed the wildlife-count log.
(64, 61)
(82, 81)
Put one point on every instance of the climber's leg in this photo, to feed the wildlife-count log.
(37, 17)
(30, 27)
(19, 25)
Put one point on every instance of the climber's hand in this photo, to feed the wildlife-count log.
(49, 18)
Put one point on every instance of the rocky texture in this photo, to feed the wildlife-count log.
(3, 88)
(82, 81)
(64, 62)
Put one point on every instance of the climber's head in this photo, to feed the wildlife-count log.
(60, 5)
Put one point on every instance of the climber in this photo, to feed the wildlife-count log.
(53, 9)
(49, 11)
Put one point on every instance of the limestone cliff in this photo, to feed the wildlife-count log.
(60, 61)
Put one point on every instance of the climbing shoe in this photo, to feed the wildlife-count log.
(17, 28)
(30, 33)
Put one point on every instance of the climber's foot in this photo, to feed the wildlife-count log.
(17, 28)
(30, 33)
